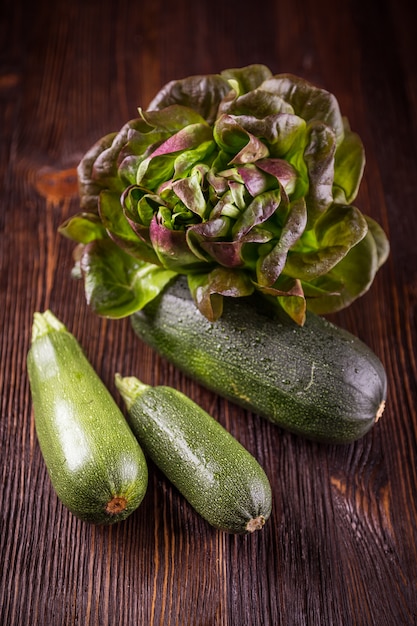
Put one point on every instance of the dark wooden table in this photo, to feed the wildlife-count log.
(341, 546)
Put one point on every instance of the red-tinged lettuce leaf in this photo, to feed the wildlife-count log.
(172, 249)
(287, 294)
(256, 105)
(116, 284)
(270, 266)
(206, 241)
(282, 171)
(153, 171)
(188, 190)
(245, 79)
(188, 161)
(198, 236)
(171, 118)
(201, 93)
(89, 187)
(254, 179)
(308, 101)
(319, 158)
(235, 140)
(190, 137)
(119, 230)
(295, 307)
(104, 169)
(159, 168)
(139, 207)
(337, 231)
(138, 146)
(257, 212)
(208, 289)
(225, 253)
(284, 133)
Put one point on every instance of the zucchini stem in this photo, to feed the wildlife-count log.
(130, 388)
(44, 323)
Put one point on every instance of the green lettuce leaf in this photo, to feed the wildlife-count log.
(116, 284)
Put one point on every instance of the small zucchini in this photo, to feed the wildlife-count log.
(94, 461)
(219, 478)
(317, 380)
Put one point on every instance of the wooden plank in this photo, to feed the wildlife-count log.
(340, 547)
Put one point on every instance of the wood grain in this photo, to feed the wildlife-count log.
(341, 546)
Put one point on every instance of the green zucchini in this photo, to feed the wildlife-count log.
(94, 461)
(315, 380)
(219, 478)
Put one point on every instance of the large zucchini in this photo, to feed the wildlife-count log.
(317, 380)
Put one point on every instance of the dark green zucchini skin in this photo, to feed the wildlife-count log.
(94, 461)
(318, 380)
(219, 478)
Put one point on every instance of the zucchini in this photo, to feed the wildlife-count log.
(316, 380)
(219, 478)
(94, 461)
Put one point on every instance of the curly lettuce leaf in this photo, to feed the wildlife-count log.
(352, 276)
(119, 230)
(308, 101)
(116, 284)
(209, 289)
(203, 93)
(83, 227)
